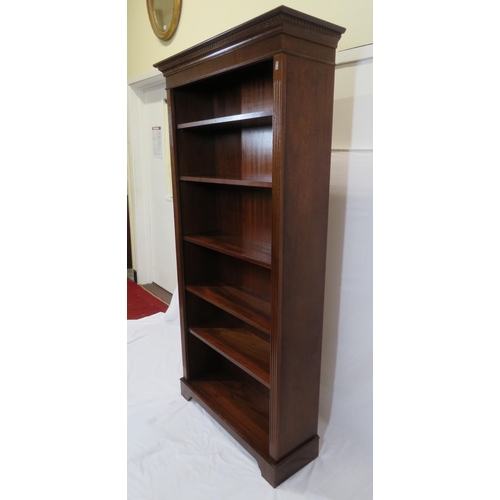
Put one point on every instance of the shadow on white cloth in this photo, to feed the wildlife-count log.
(177, 451)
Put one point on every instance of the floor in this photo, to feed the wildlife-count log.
(153, 288)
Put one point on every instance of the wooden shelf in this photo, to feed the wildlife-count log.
(243, 348)
(239, 405)
(255, 311)
(263, 183)
(254, 119)
(256, 252)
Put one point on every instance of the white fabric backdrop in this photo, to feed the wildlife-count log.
(176, 450)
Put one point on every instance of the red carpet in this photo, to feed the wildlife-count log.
(141, 303)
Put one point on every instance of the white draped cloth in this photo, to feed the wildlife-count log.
(176, 451)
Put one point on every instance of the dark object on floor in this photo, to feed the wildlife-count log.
(158, 292)
(141, 303)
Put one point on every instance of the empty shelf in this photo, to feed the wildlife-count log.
(254, 310)
(253, 251)
(244, 348)
(241, 120)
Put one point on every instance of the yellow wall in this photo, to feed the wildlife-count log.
(202, 19)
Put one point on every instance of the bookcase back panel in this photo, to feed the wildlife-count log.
(204, 266)
(247, 212)
(227, 159)
(227, 210)
(199, 205)
(232, 153)
(197, 152)
(257, 153)
(257, 87)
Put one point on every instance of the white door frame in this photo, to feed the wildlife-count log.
(139, 188)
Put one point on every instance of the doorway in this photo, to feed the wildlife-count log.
(153, 235)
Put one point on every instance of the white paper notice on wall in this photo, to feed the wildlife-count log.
(157, 143)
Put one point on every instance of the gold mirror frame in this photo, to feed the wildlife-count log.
(169, 33)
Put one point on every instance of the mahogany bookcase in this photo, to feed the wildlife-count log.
(250, 118)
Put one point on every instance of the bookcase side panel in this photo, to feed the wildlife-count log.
(307, 128)
(172, 125)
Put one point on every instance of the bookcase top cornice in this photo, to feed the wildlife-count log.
(282, 20)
